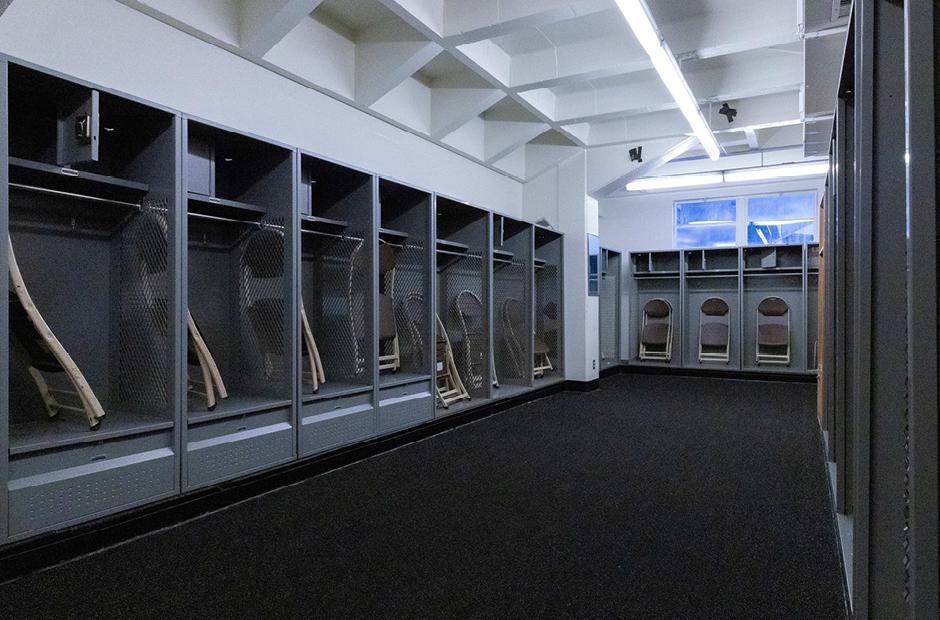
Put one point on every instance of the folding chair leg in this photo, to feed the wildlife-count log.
(206, 380)
(201, 347)
(51, 404)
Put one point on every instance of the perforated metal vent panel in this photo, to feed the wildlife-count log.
(231, 455)
(343, 427)
(509, 281)
(548, 309)
(144, 364)
(410, 295)
(42, 501)
(608, 301)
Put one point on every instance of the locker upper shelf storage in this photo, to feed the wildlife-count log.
(240, 200)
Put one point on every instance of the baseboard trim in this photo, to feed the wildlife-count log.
(749, 375)
(45, 550)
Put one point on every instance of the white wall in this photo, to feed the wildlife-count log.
(644, 221)
(110, 44)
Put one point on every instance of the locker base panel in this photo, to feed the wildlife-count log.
(508, 391)
(463, 405)
(391, 379)
(549, 378)
(331, 423)
(405, 405)
(55, 488)
(224, 449)
(747, 374)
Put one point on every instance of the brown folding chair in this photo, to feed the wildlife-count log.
(773, 331)
(714, 339)
(656, 331)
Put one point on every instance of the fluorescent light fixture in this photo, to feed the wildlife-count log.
(665, 64)
(789, 171)
(777, 172)
(679, 180)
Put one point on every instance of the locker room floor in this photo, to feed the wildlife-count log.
(654, 496)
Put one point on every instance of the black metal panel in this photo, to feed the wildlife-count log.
(922, 20)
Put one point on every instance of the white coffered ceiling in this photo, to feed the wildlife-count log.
(517, 85)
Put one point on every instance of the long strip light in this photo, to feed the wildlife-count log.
(788, 171)
(680, 180)
(665, 64)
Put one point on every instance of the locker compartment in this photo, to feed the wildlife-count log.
(58, 487)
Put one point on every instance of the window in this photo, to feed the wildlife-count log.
(706, 223)
(781, 218)
(594, 250)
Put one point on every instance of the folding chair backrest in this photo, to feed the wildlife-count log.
(773, 322)
(656, 335)
(264, 253)
(470, 309)
(714, 327)
(388, 256)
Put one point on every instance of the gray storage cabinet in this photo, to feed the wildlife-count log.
(90, 190)
(711, 273)
(127, 219)
(403, 278)
(513, 270)
(337, 206)
(656, 275)
(240, 262)
(463, 287)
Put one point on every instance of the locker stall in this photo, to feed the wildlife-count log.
(609, 303)
(337, 362)
(239, 304)
(406, 329)
(462, 351)
(93, 318)
(548, 358)
(512, 265)
(773, 313)
(712, 309)
(656, 311)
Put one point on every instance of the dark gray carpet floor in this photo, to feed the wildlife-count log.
(653, 497)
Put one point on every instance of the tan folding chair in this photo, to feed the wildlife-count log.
(47, 355)
(316, 375)
(714, 332)
(656, 331)
(450, 389)
(773, 331)
(199, 355)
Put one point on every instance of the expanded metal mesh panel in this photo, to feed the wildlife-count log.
(548, 310)
(262, 308)
(512, 347)
(336, 289)
(144, 364)
(461, 308)
(609, 305)
(409, 296)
